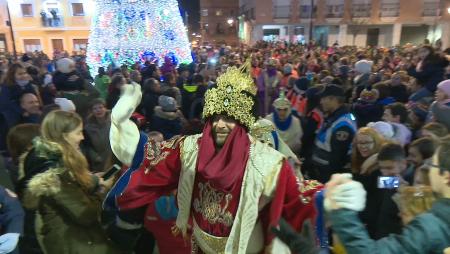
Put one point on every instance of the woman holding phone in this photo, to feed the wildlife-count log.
(63, 191)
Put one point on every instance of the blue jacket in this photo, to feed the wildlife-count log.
(428, 233)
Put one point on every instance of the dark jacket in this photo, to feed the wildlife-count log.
(68, 81)
(148, 104)
(10, 110)
(168, 123)
(97, 142)
(69, 214)
(334, 160)
(11, 213)
(399, 93)
(428, 233)
(431, 74)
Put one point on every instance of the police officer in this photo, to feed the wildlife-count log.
(11, 221)
(332, 146)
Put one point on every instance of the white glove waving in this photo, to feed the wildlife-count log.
(342, 192)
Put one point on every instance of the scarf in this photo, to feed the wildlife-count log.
(282, 125)
(224, 168)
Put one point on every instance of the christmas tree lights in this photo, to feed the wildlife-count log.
(126, 31)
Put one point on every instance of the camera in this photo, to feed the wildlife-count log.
(388, 182)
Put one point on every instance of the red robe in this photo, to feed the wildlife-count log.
(158, 174)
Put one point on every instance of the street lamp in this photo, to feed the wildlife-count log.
(230, 21)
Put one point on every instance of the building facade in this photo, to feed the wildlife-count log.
(5, 30)
(218, 21)
(50, 25)
(347, 22)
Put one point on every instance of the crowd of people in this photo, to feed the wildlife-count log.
(381, 115)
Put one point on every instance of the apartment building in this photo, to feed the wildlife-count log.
(347, 22)
(218, 21)
(50, 25)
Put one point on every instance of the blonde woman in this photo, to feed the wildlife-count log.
(63, 191)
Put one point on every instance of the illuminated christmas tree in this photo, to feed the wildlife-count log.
(126, 31)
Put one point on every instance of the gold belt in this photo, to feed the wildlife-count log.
(209, 244)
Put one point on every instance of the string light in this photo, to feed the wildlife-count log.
(129, 31)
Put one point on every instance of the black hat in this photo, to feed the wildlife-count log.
(332, 90)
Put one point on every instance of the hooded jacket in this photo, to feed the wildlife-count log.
(69, 214)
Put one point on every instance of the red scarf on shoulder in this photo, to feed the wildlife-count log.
(225, 168)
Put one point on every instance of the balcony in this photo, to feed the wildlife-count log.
(53, 22)
(389, 10)
(361, 10)
(281, 12)
(431, 9)
(305, 12)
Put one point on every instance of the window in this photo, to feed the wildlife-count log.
(77, 9)
(335, 9)
(431, 8)
(80, 44)
(32, 45)
(204, 12)
(27, 10)
(219, 13)
(389, 8)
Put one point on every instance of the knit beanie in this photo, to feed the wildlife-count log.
(168, 104)
(444, 86)
(64, 65)
(363, 66)
(65, 104)
(383, 128)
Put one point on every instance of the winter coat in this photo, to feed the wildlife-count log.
(428, 233)
(97, 142)
(148, 104)
(67, 82)
(430, 74)
(168, 123)
(102, 83)
(399, 93)
(10, 110)
(69, 214)
(82, 99)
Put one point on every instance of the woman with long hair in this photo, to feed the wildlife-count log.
(62, 190)
(366, 145)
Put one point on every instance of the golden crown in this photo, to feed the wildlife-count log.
(233, 95)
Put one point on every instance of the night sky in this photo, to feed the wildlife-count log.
(193, 9)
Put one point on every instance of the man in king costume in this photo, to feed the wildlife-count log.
(231, 188)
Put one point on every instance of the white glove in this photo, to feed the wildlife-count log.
(128, 102)
(346, 193)
(124, 134)
(350, 195)
(8, 242)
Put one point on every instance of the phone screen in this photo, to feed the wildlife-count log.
(388, 182)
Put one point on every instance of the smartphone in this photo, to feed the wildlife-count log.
(111, 172)
(388, 182)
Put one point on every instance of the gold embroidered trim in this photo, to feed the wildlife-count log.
(306, 186)
(208, 204)
(210, 243)
(155, 153)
